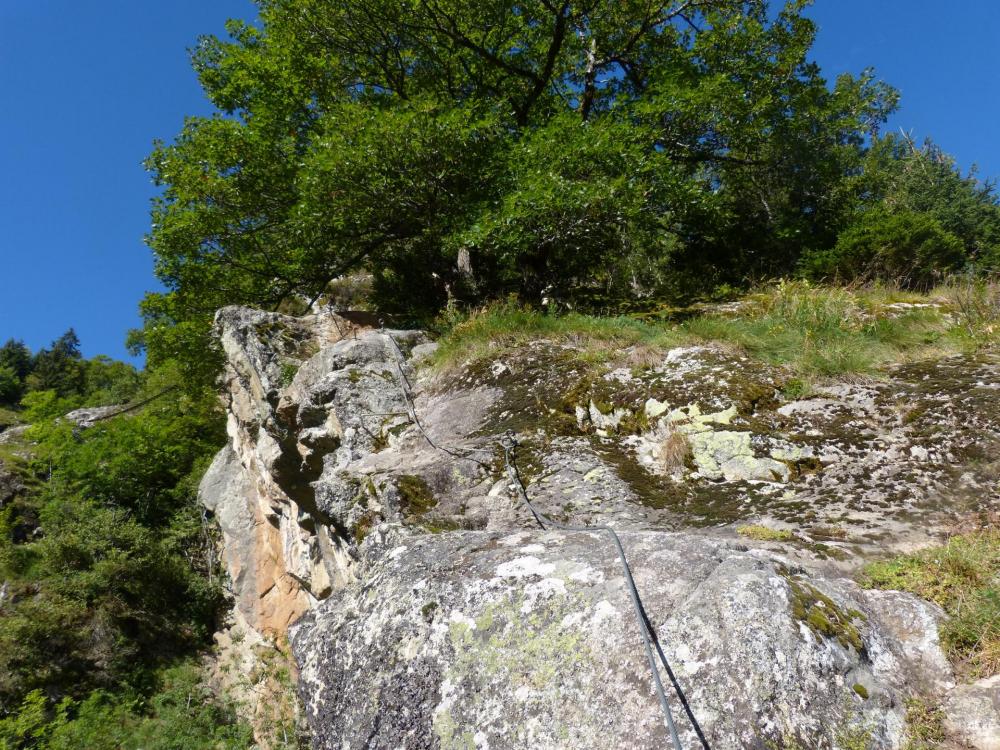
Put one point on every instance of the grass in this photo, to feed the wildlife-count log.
(924, 725)
(975, 303)
(814, 331)
(501, 327)
(823, 331)
(674, 452)
(963, 576)
(765, 533)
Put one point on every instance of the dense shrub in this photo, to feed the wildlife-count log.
(909, 249)
(182, 714)
(104, 555)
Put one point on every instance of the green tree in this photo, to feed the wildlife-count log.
(900, 178)
(15, 366)
(464, 150)
(59, 368)
(117, 584)
(910, 249)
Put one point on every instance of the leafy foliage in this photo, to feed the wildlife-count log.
(901, 178)
(181, 715)
(909, 249)
(106, 562)
(461, 151)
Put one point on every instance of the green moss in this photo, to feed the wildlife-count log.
(427, 611)
(860, 690)
(364, 525)
(756, 397)
(288, 370)
(604, 407)
(822, 615)
(796, 388)
(354, 375)
(765, 533)
(635, 423)
(415, 496)
(914, 414)
(440, 525)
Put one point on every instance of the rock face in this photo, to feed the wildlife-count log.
(972, 713)
(91, 415)
(366, 514)
(528, 639)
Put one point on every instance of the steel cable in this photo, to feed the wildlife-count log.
(650, 642)
(509, 444)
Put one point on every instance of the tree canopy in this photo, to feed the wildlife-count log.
(458, 151)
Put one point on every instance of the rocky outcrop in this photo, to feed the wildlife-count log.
(366, 514)
(87, 417)
(527, 639)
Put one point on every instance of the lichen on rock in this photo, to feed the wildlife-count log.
(426, 609)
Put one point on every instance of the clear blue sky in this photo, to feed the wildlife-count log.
(86, 86)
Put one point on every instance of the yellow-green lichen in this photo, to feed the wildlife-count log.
(503, 645)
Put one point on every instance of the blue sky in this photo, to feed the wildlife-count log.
(87, 85)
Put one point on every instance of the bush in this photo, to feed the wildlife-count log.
(104, 555)
(909, 249)
(181, 715)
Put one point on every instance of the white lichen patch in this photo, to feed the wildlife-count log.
(524, 567)
(540, 590)
(532, 549)
(654, 408)
(619, 375)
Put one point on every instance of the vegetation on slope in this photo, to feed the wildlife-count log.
(963, 576)
(814, 331)
(109, 590)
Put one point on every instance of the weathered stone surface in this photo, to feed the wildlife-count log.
(12, 434)
(91, 415)
(428, 610)
(972, 714)
(528, 639)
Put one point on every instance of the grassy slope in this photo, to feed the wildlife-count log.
(963, 576)
(814, 331)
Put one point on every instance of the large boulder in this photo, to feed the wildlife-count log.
(366, 512)
(528, 639)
